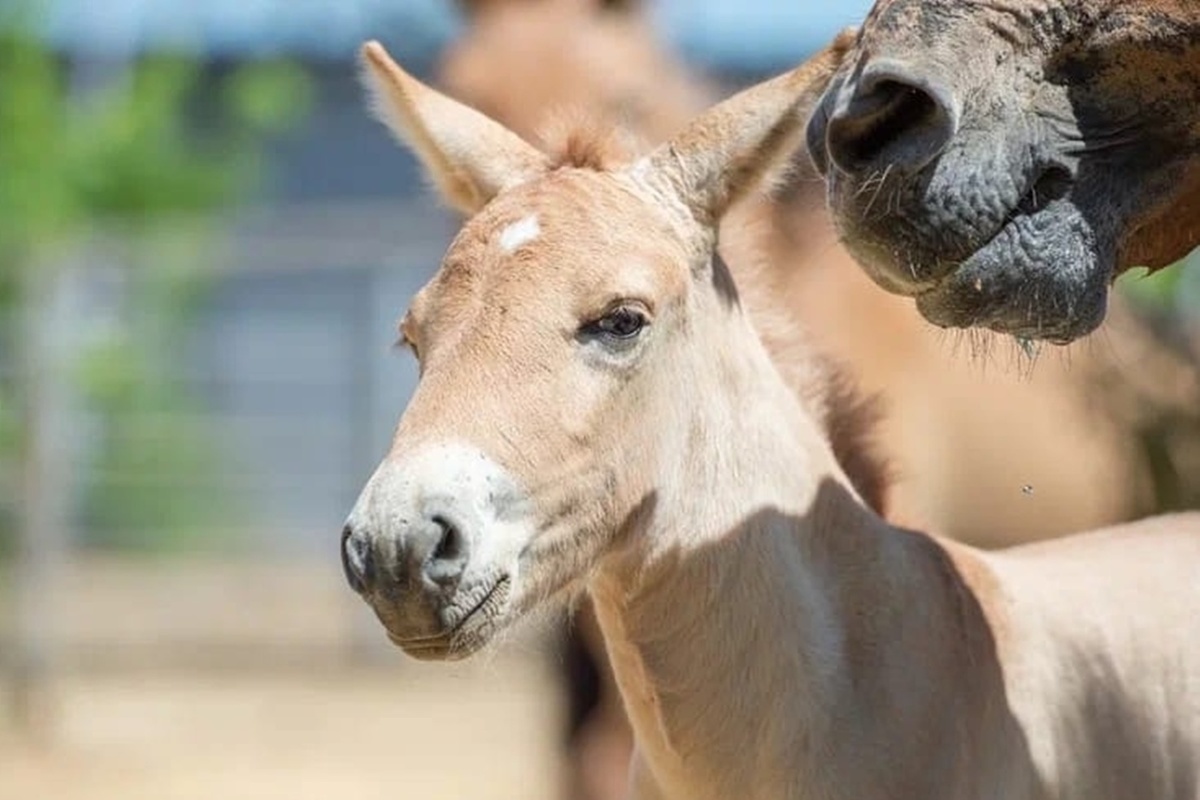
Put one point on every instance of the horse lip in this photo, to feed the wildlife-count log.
(1020, 210)
(938, 306)
(886, 271)
(443, 643)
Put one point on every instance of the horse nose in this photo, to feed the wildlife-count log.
(430, 552)
(890, 118)
(357, 560)
(445, 557)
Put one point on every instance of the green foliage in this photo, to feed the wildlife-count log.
(36, 193)
(1171, 291)
(8, 425)
(268, 96)
(154, 485)
(130, 155)
(1156, 289)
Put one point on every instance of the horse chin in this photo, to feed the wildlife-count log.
(453, 649)
(1043, 276)
(433, 651)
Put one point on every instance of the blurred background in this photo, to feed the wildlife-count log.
(205, 244)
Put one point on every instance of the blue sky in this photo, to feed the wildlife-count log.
(747, 33)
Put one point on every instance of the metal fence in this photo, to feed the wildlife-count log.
(282, 374)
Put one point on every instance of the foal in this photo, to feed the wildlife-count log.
(597, 410)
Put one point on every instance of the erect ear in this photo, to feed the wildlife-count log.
(728, 150)
(470, 157)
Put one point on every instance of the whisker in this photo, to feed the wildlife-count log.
(879, 188)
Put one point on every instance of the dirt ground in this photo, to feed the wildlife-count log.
(185, 682)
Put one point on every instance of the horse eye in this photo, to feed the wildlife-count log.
(620, 323)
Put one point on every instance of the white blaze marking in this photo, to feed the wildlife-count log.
(520, 233)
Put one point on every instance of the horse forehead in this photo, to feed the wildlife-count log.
(895, 16)
(568, 224)
(929, 21)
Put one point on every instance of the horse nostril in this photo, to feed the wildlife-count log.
(890, 120)
(357, 561)
(448, 560)
(1052, 184)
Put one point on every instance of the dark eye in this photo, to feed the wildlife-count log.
(620, 323)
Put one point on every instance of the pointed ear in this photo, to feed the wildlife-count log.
(469, 157)
(729, 150)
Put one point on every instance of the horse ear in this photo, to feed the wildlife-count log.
(469, 157)
(730, 149)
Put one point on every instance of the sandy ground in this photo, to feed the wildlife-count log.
(184, 682)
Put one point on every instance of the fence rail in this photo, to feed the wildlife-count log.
(250, 421)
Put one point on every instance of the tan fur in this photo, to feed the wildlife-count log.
(568, 55)
(585, 140)
(772, 637)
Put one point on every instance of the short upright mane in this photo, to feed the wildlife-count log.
(579, 139)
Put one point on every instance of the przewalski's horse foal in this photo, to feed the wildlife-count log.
(597, 410)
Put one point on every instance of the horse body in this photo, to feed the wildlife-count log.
(933, 671)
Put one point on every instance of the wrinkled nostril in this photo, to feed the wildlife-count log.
(449, 546)
(1052, 184)
(448, 559)
(889, 121)
(357, 562)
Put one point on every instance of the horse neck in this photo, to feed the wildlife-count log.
(750, 613)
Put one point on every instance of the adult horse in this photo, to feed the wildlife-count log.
(1002, 162)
